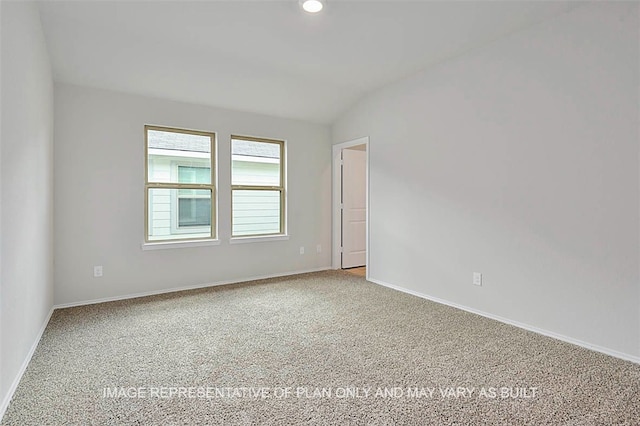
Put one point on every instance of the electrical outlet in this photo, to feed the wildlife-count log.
(477, 278)
(301, 250)
(97, 271)
(319, 248)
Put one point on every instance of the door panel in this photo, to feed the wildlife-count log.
(354, 213)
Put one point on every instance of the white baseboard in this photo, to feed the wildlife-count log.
(192, 287)
(23, 367)
(528, 327)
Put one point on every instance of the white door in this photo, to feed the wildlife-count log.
(354, 208)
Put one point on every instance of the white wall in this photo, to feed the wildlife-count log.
(518, 160)
(26, 273)
(99, 203)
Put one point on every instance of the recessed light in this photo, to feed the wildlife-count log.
(312, 6)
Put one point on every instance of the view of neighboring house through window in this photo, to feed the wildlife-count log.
(257, 186)
(179, 184)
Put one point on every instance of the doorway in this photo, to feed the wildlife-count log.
(351, 205)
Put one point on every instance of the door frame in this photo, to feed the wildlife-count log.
(336, 260)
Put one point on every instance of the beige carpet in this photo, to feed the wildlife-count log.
(375, 356)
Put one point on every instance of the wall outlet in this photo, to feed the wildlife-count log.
(301, 250)
(319, 248)
(477, 278)
(97, 271)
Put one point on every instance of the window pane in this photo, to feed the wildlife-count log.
(173, 215)
(256, 212)
(255, 163)
(166, 149)
(194, 212)
(194, 174)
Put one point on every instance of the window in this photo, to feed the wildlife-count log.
(179, 184)
(257, 187)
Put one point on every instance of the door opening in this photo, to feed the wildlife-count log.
(351, 205)
(354, 207)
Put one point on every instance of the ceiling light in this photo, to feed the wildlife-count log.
(312, 6)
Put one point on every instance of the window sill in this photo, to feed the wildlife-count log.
(162, 245)
(260, 239)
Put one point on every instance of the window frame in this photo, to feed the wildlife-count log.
(178, 186)
(281, 188)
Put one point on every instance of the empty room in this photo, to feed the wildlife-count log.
(319, 212)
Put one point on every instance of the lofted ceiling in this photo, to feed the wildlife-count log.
(268, 56)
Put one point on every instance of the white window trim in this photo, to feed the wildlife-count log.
(258, 239)
(162, 245)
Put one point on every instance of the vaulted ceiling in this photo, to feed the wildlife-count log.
(268, 56)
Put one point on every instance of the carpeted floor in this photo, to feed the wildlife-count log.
(322, 348)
